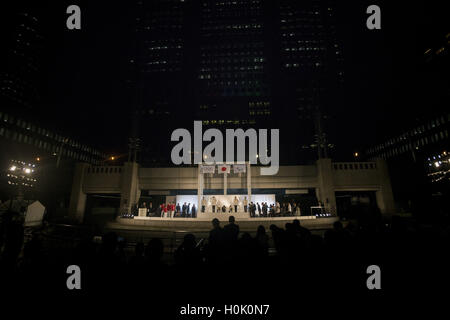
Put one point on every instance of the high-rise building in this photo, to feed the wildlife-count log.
(20, 66)
(310, 70)
(158, 73)
(417, 151)
(233, 70)
(235, 64)
(21, 123)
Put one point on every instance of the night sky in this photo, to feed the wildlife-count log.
(84, 72)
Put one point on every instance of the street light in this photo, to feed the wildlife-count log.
(21, 174)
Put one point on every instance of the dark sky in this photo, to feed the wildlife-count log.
(85, 71)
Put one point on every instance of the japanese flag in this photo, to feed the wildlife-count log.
(223, 169)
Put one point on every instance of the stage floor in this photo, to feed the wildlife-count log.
(202, 224)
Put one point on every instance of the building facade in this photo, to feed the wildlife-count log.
(326, 182)
(232, 64)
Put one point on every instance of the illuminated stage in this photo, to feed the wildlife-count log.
(226, 200)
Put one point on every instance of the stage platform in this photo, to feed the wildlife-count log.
(203, 224)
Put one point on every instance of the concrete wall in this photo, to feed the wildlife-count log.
(326, 177)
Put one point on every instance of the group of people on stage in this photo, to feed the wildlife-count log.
(216, 206)
(170, 210)
(274, 210)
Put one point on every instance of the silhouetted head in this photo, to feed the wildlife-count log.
(215, 222)
(296, 223)
(231, 219)
(189, 241)
(261, 230)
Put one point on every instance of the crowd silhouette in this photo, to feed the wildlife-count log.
(275, 260)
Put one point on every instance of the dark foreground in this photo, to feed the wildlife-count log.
(230, 267)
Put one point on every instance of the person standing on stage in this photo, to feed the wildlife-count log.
(165, 210)
(144, 206)
(298, 212)
(203, 204)
(245, 204)
(170, 210)
(289, 209)
(236, 203)
(162, 209)
(264, 209)
(194, 211)
(259, 209)
(188, 211)
(183, 210)
(213, 203)
(178, 208)
(277, 208)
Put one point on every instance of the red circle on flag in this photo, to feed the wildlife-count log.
(224, 169)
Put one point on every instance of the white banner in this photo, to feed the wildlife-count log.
(239, 168)
(223, 169)
(207, 168)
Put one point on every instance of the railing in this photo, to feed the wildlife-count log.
(354, 165)
(104, 170)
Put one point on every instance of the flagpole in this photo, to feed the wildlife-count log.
(225, 183)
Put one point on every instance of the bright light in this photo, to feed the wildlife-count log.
(356, 154)
(113, 158)
(436, 164)
(38, 159)
(13, 168)
(27, 170)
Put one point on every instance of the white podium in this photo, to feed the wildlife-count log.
(142, 212)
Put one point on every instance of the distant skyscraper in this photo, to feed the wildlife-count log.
(18, 87)
(158, 73)
(310, 70)
(21, 130)
(236, 64)
(158, 59)
(233, 66)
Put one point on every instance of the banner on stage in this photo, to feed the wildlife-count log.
(239, 168)
(223, 169)
(207, 168)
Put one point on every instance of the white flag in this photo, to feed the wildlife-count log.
(239, 168)
(223, 169)
(207, 168)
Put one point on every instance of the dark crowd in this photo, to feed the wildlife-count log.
(289, 261)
